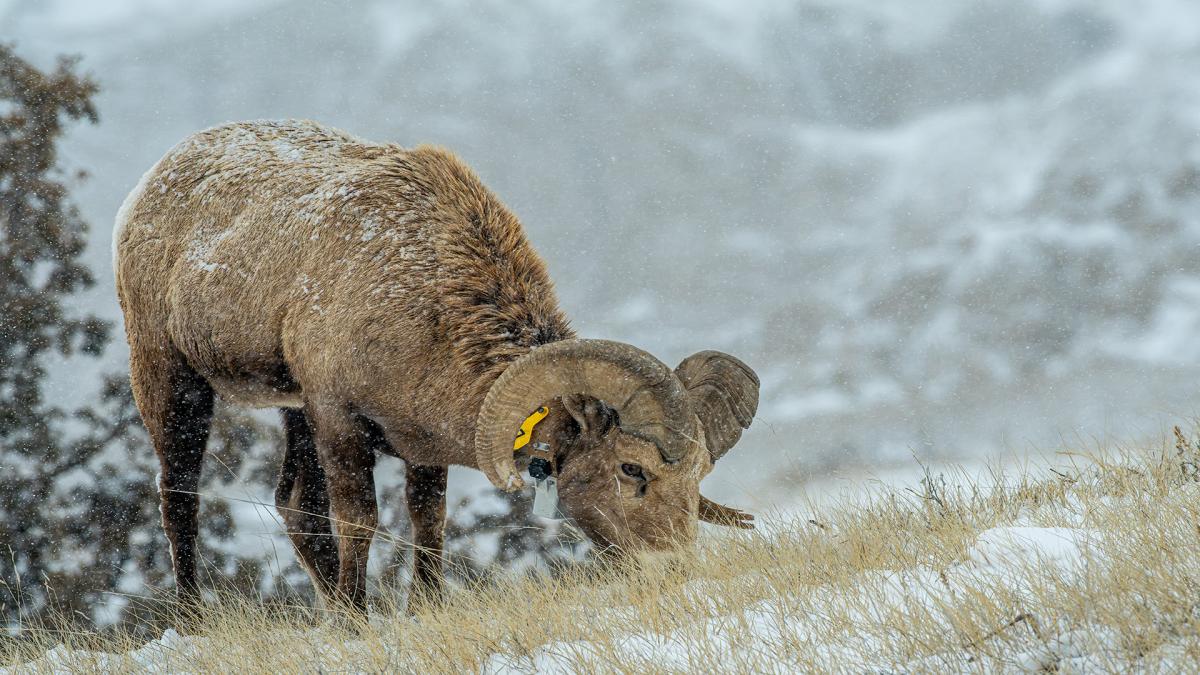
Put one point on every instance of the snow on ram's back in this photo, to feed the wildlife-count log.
(941, 233)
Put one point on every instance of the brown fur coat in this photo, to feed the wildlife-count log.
(289, 257)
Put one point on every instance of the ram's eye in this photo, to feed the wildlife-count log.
(633, 471)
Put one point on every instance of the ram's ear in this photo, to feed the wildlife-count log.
(724, 394)
(593, 417)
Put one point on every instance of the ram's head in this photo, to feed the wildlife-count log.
(631, 438)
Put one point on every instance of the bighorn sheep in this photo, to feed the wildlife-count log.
(387, 301)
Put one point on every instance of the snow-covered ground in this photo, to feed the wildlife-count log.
(1015, 556)
(1033, 592)
(1008, 555)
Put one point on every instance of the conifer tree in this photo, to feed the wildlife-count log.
(79, 521)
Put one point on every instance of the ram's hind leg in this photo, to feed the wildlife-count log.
(302, 500)
(176, 406)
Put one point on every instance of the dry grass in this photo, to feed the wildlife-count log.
(891, 580)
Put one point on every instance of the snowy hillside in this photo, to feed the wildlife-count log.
(1084, 566)
(754, 636)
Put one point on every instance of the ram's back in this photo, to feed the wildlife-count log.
(251, 242)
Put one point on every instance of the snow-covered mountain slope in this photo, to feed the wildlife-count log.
(937, 228)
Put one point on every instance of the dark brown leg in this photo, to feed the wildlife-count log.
(303, 502)
(425, 490)
(349, 463)
(176, 406)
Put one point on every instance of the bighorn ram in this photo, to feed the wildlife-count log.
(386, 300)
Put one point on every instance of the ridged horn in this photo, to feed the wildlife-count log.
(650, 401)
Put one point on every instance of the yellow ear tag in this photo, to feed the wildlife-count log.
(526, 432)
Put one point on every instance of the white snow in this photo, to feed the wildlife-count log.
(287, 151)
(122, 220)
(1009, 556)
(168, 654)
(1170, 340)
(1004, 555)
(202, 248)
(1000, 549)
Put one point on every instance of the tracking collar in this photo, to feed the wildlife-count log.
(541, 467)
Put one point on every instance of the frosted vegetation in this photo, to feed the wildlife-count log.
(1089, 564)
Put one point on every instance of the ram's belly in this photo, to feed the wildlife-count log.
(256, 394)
(226, 316)
(240, 357)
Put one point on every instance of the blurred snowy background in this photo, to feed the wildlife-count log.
(943, 229)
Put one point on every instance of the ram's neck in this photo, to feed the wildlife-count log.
(493, 324)
(497, 300)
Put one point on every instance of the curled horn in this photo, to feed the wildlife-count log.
(650, 401)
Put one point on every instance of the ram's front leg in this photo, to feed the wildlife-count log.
(349, 463)
(425, 490)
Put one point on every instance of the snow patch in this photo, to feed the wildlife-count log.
(202, 248)
(123, 213)
(1002, 549)
(286, 151)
